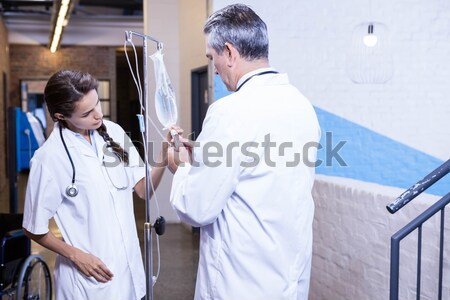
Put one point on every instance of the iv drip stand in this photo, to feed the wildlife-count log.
(148, 248)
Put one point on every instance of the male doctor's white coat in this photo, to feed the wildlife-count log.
(249, 191)
(99, 220)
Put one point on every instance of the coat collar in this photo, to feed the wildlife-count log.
(75, 144)
(249, 75)
(266, 80)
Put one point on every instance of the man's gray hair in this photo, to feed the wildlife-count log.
(240, 26)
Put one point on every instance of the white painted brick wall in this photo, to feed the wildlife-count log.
(310, 41)
(351, 252)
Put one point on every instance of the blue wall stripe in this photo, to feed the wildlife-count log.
(375, 158)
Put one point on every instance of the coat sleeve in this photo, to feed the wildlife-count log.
(200, 191)
(42, 198)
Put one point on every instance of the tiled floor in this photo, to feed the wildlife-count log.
(179, 260)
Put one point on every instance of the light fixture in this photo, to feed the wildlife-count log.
(60, 19)
(369, 57)
(370, 39)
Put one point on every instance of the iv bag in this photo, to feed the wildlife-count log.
(165, 105)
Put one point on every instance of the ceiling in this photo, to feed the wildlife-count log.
(92, 8)
(29, 21)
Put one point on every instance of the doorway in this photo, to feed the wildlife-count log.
(128, 105)
(200, 99)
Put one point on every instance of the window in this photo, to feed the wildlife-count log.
(105, 98)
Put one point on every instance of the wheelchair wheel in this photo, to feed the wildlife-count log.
(34, 281)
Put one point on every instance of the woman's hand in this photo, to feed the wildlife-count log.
(91, 265)
(173, 131)
(86, 263)
(180, 150)
(181, 155)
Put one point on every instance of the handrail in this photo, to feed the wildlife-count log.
(419, 187)
(402, 233)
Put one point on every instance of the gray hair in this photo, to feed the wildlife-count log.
(240, 26)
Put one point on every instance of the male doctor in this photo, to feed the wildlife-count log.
(247, 182)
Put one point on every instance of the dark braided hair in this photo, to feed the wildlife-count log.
(61, 93)
(122, 154)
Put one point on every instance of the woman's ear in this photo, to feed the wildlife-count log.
(59, 116)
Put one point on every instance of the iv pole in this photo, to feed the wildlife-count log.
(148, 248)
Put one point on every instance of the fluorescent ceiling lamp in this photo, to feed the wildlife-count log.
(60, 18)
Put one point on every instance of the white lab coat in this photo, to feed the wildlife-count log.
(99, 220)
(256, 221)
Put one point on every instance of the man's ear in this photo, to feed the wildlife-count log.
(230, 53)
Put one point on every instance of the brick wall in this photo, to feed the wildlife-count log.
(351, 251)
(36, 62)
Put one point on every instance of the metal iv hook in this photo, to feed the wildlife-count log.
(129, 36)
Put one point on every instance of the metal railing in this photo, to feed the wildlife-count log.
(417, 223)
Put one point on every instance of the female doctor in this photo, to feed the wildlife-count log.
(83, 176)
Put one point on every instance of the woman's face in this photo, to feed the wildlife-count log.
(87, 114)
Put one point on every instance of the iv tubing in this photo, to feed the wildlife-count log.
(148, 182)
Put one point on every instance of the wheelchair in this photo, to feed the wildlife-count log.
(22, 276)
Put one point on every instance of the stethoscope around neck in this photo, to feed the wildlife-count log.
(257, 74)
(72, 189)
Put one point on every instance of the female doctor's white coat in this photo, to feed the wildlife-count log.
(99, 220)
(249, 191)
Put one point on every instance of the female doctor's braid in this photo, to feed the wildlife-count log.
(119, 151)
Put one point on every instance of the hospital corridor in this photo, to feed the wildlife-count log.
(224, 149)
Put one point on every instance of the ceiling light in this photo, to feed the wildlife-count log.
(370, 39)
(60, 19)
(369, 60)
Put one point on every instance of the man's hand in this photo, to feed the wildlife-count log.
(173, 130)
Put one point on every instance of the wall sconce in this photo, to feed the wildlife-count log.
(60, 18)
(370, 59)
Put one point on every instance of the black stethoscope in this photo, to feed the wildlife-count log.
(72, 189)
(257, 74)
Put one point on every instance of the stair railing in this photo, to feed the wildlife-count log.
(417, 223)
